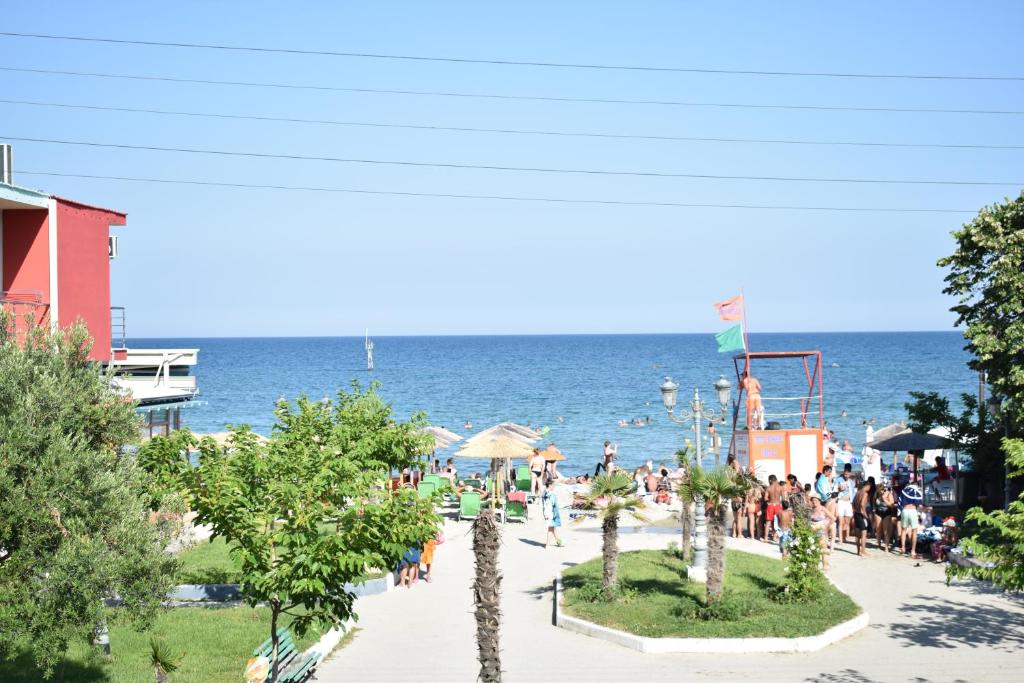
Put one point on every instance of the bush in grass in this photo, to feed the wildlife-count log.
(805, 581)
(592, 592)
(731, 607)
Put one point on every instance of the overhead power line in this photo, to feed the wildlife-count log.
(528, 98)
(517, 169)
(509, 62)
(504, 131)
(504, 198)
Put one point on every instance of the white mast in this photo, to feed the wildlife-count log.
(369, 350)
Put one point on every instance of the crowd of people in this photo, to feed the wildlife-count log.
(843, 509)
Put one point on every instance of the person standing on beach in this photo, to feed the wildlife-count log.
(773, 505)
(551, 512)
(536, 472)
(784, 527)
(844, 506)
(609, 456)
(860, 517)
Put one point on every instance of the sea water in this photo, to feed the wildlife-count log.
(579, 386)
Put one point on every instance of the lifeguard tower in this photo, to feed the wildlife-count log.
(786, 435)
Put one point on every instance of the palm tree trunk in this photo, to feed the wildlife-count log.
(686, 543)
(161, 676)
(487, 596)
(716, 553)
(610, 554)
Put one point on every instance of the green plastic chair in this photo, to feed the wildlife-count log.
(515, 511)
(474, 484)
(523, 480)
(469, 505)
(432, 479)
(426, 489)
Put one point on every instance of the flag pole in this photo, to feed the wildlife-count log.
(746, 340)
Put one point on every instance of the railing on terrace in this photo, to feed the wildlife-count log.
(118, 334)
(27, 308)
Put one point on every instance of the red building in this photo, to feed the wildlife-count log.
(55, 258)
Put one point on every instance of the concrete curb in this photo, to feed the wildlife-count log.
(192, 593)
(705, 645)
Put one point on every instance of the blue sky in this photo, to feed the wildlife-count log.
(222, 262)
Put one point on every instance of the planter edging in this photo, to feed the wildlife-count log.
(705, 645)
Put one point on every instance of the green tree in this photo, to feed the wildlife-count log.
(714, 489)
(306, 513)
(986, 277)
(165, 459)
(73, 527)
(975, 436)
(998, 541)
(611, 495)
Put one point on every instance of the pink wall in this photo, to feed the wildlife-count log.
(26, 251)
(83, 270)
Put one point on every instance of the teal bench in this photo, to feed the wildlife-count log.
(294, 666)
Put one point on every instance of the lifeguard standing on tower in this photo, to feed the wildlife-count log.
(755, 410)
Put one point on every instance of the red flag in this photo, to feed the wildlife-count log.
(730, 309)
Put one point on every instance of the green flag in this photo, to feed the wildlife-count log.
(731, 339)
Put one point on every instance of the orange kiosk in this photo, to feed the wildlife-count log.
(780, 441)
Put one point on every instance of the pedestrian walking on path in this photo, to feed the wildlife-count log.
(551, 514)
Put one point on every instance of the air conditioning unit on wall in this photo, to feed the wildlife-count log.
(112, 246)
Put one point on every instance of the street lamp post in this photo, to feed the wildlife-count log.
(669, 396)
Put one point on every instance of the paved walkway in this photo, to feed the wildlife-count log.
(921, 630)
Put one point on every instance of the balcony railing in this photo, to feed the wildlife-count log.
(118, 334)
(27, 308)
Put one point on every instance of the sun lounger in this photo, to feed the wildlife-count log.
(516, 511)
(469, 505)
(426, 489)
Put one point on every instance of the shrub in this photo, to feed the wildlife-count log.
(805, 581)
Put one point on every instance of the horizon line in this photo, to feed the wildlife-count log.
(541, 334)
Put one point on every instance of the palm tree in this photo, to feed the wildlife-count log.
(163, 660)
(685, 512)
(714, 488)
(612, 495)
(487, 595)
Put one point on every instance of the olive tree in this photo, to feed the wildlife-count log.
(73, 510)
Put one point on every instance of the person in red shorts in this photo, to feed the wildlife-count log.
(773, 500)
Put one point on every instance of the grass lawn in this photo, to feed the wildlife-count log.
(216, 644)
(208, 562)
(658, 601)
(211, 562)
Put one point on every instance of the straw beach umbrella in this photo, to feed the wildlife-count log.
(443, 438)
(496, 448)
(552, 454)
(506, 429)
